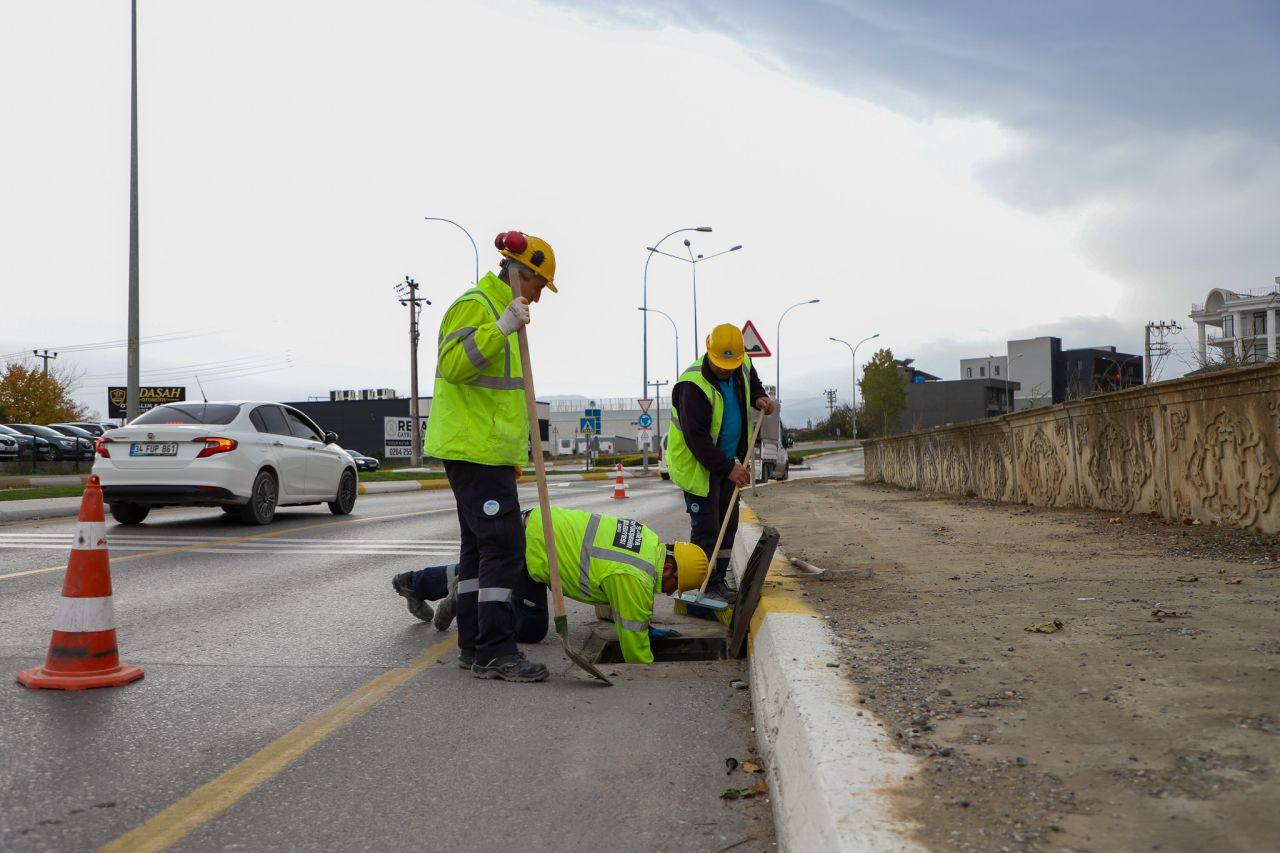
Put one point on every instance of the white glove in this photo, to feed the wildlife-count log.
(516, 315)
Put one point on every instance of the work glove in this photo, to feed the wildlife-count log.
(516, 315)
(662, 633)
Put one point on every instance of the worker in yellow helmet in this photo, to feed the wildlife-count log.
(603, 560)
(479, 427)
(707, 443)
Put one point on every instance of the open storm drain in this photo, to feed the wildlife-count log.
(671, 649)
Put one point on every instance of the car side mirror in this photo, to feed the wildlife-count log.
(330, 437)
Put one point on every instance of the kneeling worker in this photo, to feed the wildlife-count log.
(603, 560)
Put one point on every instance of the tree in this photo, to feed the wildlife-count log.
(29, 395)
(839, 424)
(884, 393)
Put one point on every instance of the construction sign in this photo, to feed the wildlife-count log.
(754, 346)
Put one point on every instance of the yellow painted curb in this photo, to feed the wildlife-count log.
(15, 483)
(360, 489)
(596, 476)
(434, 484)
(780, 595)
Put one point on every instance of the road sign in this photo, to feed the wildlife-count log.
(754, 346)
(645, 404)
(645, 437)
(645, 420)
(587, 426)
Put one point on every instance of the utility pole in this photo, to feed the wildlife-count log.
(46, 358)
(132, 409)
(831, 401)
(1160, 349)
(408, 290)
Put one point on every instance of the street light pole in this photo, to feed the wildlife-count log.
(133, 357)
(853, 397)
(675, 332)
(644, 298)
(693, 261)
(469, 237)
(777, 348)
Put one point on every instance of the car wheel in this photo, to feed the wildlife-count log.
(786, 471)
(347, 491)
(665, 476)
(127, 513)
(261, 508)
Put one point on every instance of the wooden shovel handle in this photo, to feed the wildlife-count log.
(724, 525)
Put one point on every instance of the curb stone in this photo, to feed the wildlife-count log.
(831, 772)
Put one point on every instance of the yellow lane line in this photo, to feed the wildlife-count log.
(213, 543)
(202, 805)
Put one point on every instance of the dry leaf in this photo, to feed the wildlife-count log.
(1115, 520)
(744, 793)
(1231, 580)
(1045, 627)
(1187, 578)
(750, 767)
(1161, 613)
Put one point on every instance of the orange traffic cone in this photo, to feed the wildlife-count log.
(82, 653)
(620, 485)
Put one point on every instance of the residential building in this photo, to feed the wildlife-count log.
(1246, 322)
(1035, 364)
(990, 367)
(931, 404)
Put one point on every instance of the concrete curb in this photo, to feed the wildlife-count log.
(831, 772)
(41, 482)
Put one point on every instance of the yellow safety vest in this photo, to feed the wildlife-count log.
(478, 410)
(603, 560)
(685, 469)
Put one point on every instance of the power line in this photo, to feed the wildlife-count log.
(166, 338)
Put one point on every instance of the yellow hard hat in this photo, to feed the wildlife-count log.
(534, 252)
(725, 346)
(691, 565)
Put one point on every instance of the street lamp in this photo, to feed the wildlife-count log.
(469, 237)
(645, 300)
(693, 262)
(644, 308)
(777, 349)
(853, 352)
(675, 332)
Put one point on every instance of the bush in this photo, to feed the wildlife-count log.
(609, 460)
(795, 459)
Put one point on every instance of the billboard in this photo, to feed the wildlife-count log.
(149, 396)
(397, 442)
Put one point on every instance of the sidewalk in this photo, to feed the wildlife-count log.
(1052, 678)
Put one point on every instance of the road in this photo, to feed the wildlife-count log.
(291, 702)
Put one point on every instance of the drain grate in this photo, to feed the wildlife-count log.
(671, 649)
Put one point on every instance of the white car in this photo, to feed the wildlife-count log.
(662, 460)
(246, 457)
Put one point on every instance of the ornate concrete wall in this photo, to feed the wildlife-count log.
(1205, 447)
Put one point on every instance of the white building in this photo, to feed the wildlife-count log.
(1246, 322)
(991, 367)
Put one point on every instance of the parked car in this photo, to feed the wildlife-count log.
(60, 447)
(8, 447)
(84, 439)
(662, 460)
(94, 428)
(246, 457)
(27, 444)
(363, 463)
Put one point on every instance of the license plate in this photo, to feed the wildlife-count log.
(167, 448)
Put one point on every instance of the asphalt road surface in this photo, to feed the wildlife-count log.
(291, 702)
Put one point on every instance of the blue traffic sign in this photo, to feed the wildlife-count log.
(645, 420)
(587, 426)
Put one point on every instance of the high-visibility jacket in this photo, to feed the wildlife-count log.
(603, 560)
(478, 410)
(685, 469)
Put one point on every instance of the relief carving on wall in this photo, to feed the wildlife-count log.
(1177, 428)
(990, 475)
(1042, 468)
(1233, 469)
(1119, 466)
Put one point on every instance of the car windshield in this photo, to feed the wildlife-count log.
(189, 413)
(4, 430)
(68, 429)
(42, 431)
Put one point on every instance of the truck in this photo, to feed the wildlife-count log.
(770, 457)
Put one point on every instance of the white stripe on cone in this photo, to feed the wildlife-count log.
(84, 614)
(91, 536)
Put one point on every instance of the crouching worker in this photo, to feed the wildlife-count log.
(603, 560)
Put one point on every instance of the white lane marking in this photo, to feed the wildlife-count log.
(255, 548)
(125, 537)
(84, 614)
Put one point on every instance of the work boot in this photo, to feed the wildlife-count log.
(718, 589)
(447, 609)
(511, 668)
(403, 584)
(466, 658)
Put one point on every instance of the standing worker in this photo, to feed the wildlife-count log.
(603, 560)
(707, 442)
(480, 428)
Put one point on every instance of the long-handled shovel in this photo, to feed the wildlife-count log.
(544, 501)
(697, 598)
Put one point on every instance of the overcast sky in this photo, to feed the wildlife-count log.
(947, 175)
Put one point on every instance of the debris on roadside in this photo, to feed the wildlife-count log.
(732, 765)
(745, 793)
(1051, 627)
(1186, 578)
(1161, 613)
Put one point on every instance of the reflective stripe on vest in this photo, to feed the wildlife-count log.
(628, 624)
(589, 550)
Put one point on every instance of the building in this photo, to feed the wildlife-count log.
(1047, 374)
(1246, 323)
(938, 403)
(914, 375)
(990, 367)
(1097, 370)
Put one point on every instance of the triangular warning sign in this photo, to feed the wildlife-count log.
(754, 347)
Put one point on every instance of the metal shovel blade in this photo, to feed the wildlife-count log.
(693, 597)
(562, 628)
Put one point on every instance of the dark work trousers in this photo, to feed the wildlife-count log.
(491, 557)
(705, 517)
(528, 599)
